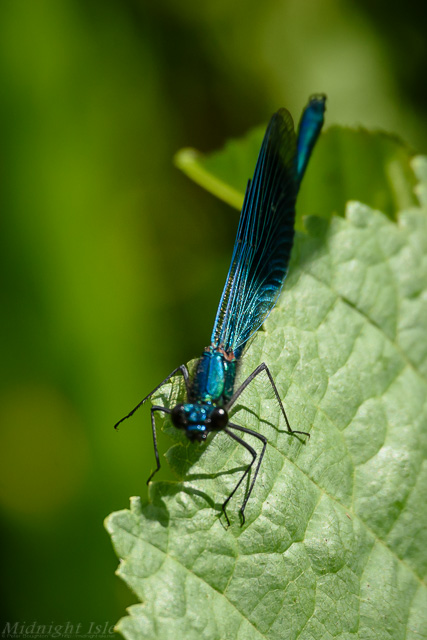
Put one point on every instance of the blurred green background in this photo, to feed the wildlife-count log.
(112, 262)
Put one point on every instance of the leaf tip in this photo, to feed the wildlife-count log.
(185, 158)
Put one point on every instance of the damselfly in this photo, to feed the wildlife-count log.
(258, 269)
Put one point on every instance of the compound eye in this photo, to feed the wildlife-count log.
(219, 418)
(179, 419)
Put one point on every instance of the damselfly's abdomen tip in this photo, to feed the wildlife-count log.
(318, 99)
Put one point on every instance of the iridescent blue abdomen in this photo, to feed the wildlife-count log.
(308, 131)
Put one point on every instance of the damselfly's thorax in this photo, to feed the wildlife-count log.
(210, 390)
(213, 380)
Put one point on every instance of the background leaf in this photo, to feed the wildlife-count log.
(372, 167)
(336, 534)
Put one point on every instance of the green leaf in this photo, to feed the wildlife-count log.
(373, 168)
(335, 541)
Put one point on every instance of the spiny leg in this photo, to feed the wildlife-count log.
(254, 456)
(257, 371)
(153, 427)
(261, 456)
(182, 368)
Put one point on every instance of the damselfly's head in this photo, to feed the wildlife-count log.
(198, 419)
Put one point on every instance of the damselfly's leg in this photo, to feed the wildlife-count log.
(153, 427)
(254, 457)
(182, 368)
(254, 374)
(261, 456)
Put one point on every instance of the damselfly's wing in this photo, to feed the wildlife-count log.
(264, 239)
(266, 228)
